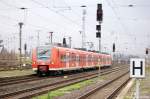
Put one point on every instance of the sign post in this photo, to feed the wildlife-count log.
(137, 70)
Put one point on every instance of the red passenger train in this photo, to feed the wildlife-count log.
(47, 59)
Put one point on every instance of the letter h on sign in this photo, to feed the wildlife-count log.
(137, 68)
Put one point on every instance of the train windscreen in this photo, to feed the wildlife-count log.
(43, 53)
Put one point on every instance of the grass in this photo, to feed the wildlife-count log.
(68, 89)
(145, 85)
(147, 69)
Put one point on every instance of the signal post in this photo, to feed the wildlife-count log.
(99, 19)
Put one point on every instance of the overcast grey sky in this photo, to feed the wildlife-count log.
(127, 26)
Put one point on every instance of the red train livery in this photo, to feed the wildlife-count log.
(47, 59)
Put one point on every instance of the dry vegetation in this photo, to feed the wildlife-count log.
(10, 60)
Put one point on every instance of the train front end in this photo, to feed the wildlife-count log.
(41, 59)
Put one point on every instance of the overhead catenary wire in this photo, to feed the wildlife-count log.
(79, 16)
(18, 8)
(125, 28)
(65, 17)
(41, 17)
(115, 13)
(62, 15)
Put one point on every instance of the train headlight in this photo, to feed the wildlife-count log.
(52, 62)
(34, 62)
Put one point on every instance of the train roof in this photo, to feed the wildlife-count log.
(83, 50)
(74, 49)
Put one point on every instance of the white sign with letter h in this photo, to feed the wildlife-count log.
(137, 68)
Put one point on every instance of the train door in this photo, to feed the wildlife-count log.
(92, 62)
(67, 59)
(77, 60)
(86, 60)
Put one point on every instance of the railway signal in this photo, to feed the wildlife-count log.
(98, 27)
(99, 12)
(146, 51)
(98, 34)
(25, 50)
(114, 47)
(25, 46)
(64, 42)
(99, 18)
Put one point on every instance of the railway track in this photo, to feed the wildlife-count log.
(108, 90)
(6, 79)
(22, 79)
(16, 80)
(33, 91)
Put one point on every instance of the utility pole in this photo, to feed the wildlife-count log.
(25, 51)
(83, 26)
(20, 41)
(38, 37)
(146, 57)
(1, 45)
(70, 41)
(51, 37)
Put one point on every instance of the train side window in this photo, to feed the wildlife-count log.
(98, 59)
(89, 58)
(71, 57)
(83, 58)
(77, 58)
(63, 58)
(74, 57)
(68, 58)
(104, 59)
